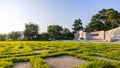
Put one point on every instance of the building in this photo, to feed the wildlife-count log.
(109, 36)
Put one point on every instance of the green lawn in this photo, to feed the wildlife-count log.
(21, 51)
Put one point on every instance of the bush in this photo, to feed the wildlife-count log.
(39, 63)
(99, 64)
(113, 54)
(5, 64)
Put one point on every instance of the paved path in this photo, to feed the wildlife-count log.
(64, 62)
(22, 65)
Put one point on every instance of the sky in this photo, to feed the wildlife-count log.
(15, 13)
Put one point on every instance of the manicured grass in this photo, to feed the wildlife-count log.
(21, 51)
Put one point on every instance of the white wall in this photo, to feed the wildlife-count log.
(100, 35)
(110, 34)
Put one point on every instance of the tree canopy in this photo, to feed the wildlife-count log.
(96, 25)
(57, 32)
(31, 31)
(54, 29)
(2, 37)
(65, 31)
(14, 35)
(109, 18)
(77, 25)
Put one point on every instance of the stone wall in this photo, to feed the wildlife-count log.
(98, 35)
(112, 34)
(76, 36)
(86, 35)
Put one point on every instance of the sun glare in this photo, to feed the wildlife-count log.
(8, 16)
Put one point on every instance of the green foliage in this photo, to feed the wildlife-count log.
(39, 63)
(99, 64)
(14, 35)
(112, 54)
(65, 31)
(18, 59)
(96, 26)
(5, 64)
(44, 37)
(58, 33)
(21, 51)
(54, 29)
(31, 31)
(68, 36)
(3, 37)
(110, 19)
(77, 25)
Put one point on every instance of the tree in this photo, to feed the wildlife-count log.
(65, 31)
(14, 35)
(31, 31)
(57, 32)
(96, 26)
(3, 37)
(77, 25)
(115, 19)
(54, 29)
(109, 17)
(44, 36)
(67, 34)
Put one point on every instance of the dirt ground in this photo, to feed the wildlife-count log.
(64, 62)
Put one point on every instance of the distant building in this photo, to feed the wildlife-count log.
(109, 36)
